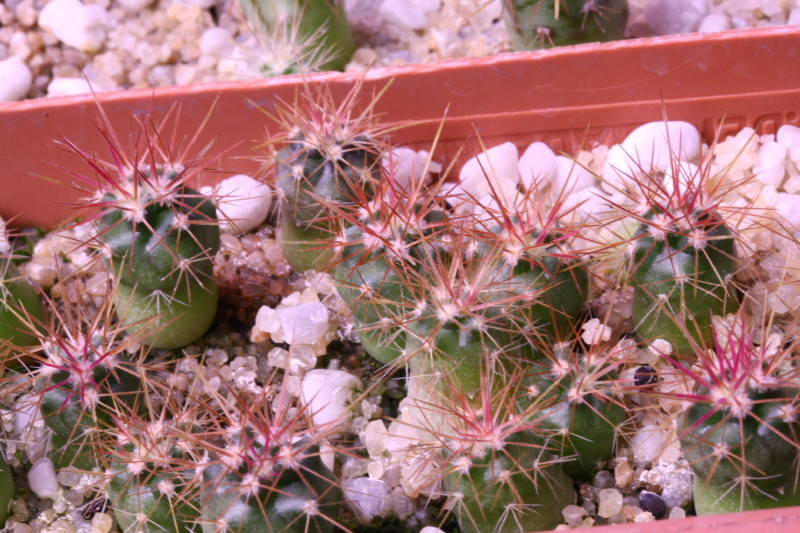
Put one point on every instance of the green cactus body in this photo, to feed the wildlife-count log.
(312, 182)
(559, 291)
(77, 409)
(538, 24)
(18, 303)
(680, 283)
(7, 487)
(745, 461)
(319, 27)
(164, 261)
(151, 501)
(584, 432)
(376, 295)
(287, 499)
(511, 490)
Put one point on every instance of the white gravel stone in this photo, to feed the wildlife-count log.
(408, 167)
(42, 479)
(572, 176)
(374, 438)
(305, 323)
(649, 147)
(714, 22)
(667, 17)
(409, 14)
(70, 86)
(770, 167)
(327, 395)
(75, 24)
(496, 168)
(243, 203)
(368, 497)
(609, 502)
(647, 443)
(537, 165)
(15, 79)
(788, 208)
(217, 42)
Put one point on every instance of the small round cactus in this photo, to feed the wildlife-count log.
(514, 486)
(537, 24)
(315, 173)
(158, 237)
(740, 432)
(682, 275)
(315, 34)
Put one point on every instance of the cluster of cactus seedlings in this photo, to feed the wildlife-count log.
(508, 404)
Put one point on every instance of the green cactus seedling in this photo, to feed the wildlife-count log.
(316, 32)
(537, 24)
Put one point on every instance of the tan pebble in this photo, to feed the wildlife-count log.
(102, 522)
(623, 474)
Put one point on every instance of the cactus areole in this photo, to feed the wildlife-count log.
(163, 259)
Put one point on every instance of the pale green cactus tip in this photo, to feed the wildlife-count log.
(301, 35)
(538, 24)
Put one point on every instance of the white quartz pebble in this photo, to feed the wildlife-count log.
(374, 438)
(788, 208)
(770, 167)
(42, 479)
(571, 176)
(368, 497)
(305, 323)
(15, 79)
(494, 171)
(794, 17)
(75, 24)
(242, 203)
(609, 502)
(789, 137)
(69, 87)
(537, 165)
(217, 42)
(409, 167)
(410, 14)
(327, 395)
(668, 17)
(714, 22)
(650, 147)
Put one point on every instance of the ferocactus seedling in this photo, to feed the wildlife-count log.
(740, 431)
(537, 24)
(302, 34)
(682, 270)
(330, 160)
(159, 237)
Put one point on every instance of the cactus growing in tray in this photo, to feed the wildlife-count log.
(682, 267)
(583, 419)
(264, 470)
(537, 24)
(313, 34)
(329, 160)
(740, 429)
(159, 236)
